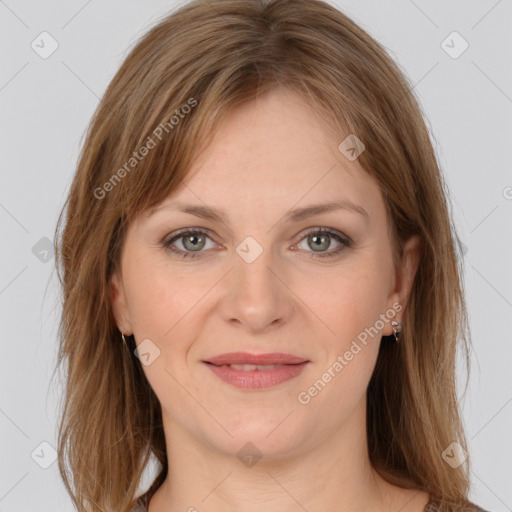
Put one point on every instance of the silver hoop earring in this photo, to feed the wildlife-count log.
(124, 340)
(397, 330)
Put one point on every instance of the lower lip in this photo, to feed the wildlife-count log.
(257, 379)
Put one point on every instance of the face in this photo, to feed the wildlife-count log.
(319, 285)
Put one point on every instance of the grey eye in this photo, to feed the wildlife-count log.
(318, 242)
(193, 242)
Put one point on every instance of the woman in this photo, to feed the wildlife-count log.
(260, 275)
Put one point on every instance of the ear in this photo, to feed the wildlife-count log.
(119, 307)
(404, 279)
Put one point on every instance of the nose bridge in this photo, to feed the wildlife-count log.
(252, 267)
(257, 297)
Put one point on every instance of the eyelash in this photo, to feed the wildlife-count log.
(344, 241)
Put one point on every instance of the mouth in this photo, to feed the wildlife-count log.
(250, 367)
(247, 358)
(252, 371)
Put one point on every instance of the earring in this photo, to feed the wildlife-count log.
(124, 340)
(397, 330)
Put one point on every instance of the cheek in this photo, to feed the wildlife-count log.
(350, 299)
(164, 302)
(350, 307)
(161, 305)
(156, 299)
(149, 301)
(349, 302)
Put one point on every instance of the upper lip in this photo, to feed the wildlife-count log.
(258, 359)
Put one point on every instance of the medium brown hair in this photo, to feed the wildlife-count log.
(220, 54)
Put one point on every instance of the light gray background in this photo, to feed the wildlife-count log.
(46, 105)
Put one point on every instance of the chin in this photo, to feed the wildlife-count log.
(262, 435)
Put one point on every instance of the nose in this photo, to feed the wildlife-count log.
(255, 294)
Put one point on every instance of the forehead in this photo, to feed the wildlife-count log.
(275, 152)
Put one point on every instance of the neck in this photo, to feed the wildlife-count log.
(334, 474)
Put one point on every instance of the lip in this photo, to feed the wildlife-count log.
(286, 367)
(247, 358)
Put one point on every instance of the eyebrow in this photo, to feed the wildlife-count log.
(214, 214)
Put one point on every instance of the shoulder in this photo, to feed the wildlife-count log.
(141, 504)
(476, 508)
(139, 507)
(433, 506)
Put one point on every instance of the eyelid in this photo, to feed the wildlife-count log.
(344, 240)
(169, 239)
(329, 231)
(184, 231)
(300, 236)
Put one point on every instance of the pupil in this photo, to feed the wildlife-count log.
(193, 239)
(318, 241)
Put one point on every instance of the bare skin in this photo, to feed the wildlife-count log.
(269, 156)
